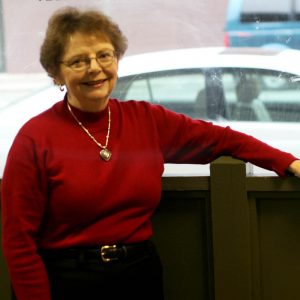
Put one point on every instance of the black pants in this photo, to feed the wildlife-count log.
(90, 279)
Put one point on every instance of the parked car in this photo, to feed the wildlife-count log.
(255, 91)
(16, 110)
(265, 23)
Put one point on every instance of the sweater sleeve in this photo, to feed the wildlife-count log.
(23, 205)
(185, 140)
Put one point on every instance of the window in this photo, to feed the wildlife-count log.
(270, 10)
(261, 95)
(178, 90)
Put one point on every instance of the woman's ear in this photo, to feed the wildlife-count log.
(57, 78)
(57, 81)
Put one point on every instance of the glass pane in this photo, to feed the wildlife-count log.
(266, 11)
(177, 87)
(259, 95)
(270, 6)
(280, 94)
(2, 62)
(180, 90)
(25, 89)
(138, 90)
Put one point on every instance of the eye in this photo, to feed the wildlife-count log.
(79, 61)
(107, 55)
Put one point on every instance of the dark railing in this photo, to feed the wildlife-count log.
(225, 236)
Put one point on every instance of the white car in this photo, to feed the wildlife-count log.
(252, 90)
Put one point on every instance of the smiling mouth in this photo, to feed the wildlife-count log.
(95, 83)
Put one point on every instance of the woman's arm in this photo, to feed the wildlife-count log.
(23, 206)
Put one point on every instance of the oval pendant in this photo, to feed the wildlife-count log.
(105, 154)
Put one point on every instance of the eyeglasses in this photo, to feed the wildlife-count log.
(81, 63)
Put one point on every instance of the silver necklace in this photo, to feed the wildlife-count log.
(105, 154)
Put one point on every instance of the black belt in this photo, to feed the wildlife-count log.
(105, 253)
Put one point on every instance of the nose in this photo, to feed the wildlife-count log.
(94, 64)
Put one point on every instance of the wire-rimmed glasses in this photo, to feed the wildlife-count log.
(81, 63)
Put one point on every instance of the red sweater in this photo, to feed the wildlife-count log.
(58, 192)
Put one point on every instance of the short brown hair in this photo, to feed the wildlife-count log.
(69, 20)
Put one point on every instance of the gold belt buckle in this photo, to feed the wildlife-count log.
(103, 251)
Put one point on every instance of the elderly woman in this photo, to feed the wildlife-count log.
(84, 177)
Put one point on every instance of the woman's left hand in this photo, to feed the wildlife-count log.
(294, 167)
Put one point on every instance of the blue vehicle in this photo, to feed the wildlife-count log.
(263, 23)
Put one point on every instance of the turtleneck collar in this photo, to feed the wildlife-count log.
(87, 117)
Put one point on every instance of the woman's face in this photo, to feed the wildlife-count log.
(89, 86)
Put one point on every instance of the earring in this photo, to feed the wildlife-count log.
(61, 87)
